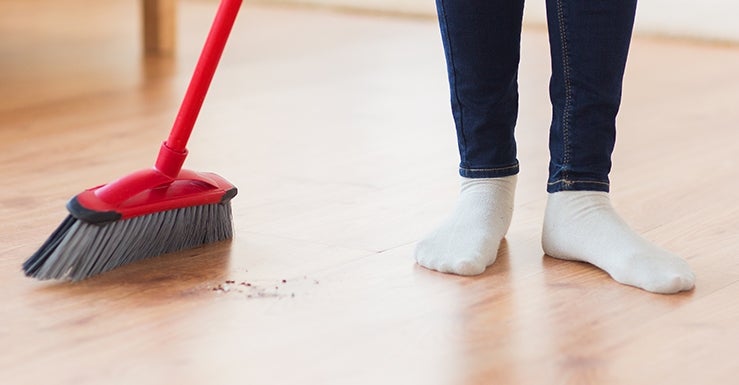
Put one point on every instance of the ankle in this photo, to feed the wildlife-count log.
(583, 226)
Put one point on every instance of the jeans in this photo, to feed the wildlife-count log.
(589, 42)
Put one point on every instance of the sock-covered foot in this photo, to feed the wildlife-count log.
(583, 226)
(467, 242)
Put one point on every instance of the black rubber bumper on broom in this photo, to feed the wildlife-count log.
(91, 216)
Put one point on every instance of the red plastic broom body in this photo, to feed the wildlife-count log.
(151, 211)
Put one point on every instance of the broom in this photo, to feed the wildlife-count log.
(152, 211)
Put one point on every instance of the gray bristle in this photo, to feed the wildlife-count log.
(78, 250)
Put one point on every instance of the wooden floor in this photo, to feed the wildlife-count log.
(337, 130)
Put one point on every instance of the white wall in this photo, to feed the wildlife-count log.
(706, 19)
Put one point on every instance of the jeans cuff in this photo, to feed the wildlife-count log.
(492, 172)
(577, 185)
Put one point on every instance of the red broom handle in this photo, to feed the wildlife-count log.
(173, 152)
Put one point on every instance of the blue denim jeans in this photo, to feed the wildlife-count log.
(589, 42)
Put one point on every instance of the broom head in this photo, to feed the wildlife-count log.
(141, 215)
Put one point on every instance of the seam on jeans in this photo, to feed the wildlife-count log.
(566, 181)
(568, 85)
(454, 75)
(490, 169)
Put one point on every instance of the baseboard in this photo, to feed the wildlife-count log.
(712, 20)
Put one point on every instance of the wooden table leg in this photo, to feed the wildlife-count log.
(159, 26)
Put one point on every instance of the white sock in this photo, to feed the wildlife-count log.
(467, 242)
(583, 226)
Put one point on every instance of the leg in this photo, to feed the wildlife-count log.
(589, 40)
(482, 44)
(159, 26)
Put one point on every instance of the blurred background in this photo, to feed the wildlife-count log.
(709, 19)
